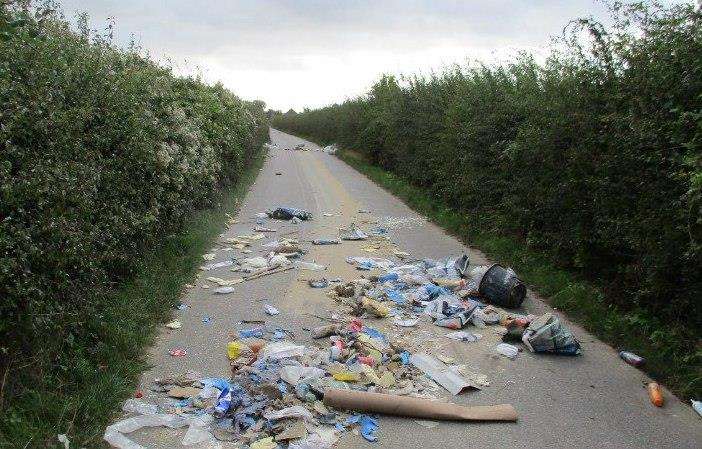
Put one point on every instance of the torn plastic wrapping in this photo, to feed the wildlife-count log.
(296, 411)
(114, 434)
(281, 350)
(442, 374)
(296, 374)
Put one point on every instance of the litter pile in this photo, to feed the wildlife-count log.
(453, 298)
(280, 392)
(284, 394)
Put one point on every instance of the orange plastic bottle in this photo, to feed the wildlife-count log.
(655, 393)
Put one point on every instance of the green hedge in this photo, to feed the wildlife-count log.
(593, 156)
(103, 153)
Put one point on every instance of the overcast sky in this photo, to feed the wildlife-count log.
(309, 53)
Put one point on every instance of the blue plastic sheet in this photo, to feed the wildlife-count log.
(388, 277)
(396, 297)
(374, 333)
(435, 291)
(368, 425)
(217, 382)
(278, 334)
(405, 357)
(256, 332)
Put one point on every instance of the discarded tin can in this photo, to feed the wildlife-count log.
(502, 287)
(631, 358)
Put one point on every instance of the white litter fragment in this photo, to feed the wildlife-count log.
(64, 439)
(224, 282)
(139, 407)
(408, 322)
(114, 434)
(281, 350)
(463, 336)
(213, 266)
(309, 266)
(270, 310)
(295, 374)
(507, 350)
(296, 411)
(441, 374)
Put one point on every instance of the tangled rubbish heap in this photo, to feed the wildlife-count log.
(281, 393)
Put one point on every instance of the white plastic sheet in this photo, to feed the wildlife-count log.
(114, 434)
(296, 374)
(296, 411)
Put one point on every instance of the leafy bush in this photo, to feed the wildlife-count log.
(593, 156)
(102, 154)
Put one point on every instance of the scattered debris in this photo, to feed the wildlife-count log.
(267, 272)
(318, 283)
(270, 310)
(375, 358)
(507, 350)
(177, 352)
(175, 324)
(326, 242)
(214, 266)
(464, 336)
(352, 233)
(62, 438)
(225, 282)
(209, 256)
(441, 374)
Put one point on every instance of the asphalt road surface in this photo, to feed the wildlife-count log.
(591, 401)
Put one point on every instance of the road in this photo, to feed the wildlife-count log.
(594, 400)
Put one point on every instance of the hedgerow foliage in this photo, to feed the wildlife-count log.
(593, 155)
(102, 154)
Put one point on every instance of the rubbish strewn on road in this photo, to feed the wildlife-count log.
(281, 391)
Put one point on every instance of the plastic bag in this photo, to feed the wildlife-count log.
(507, 350)
(281, 350)
(198, 431)
(288, 213)
(296, 411)
(114, 434)
(548, 334)
(309, 266)
(463, 336)
(296, 374)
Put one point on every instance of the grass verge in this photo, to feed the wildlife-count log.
(127, 327)
(673, 354)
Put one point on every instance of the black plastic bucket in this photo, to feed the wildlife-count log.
(498, 288)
